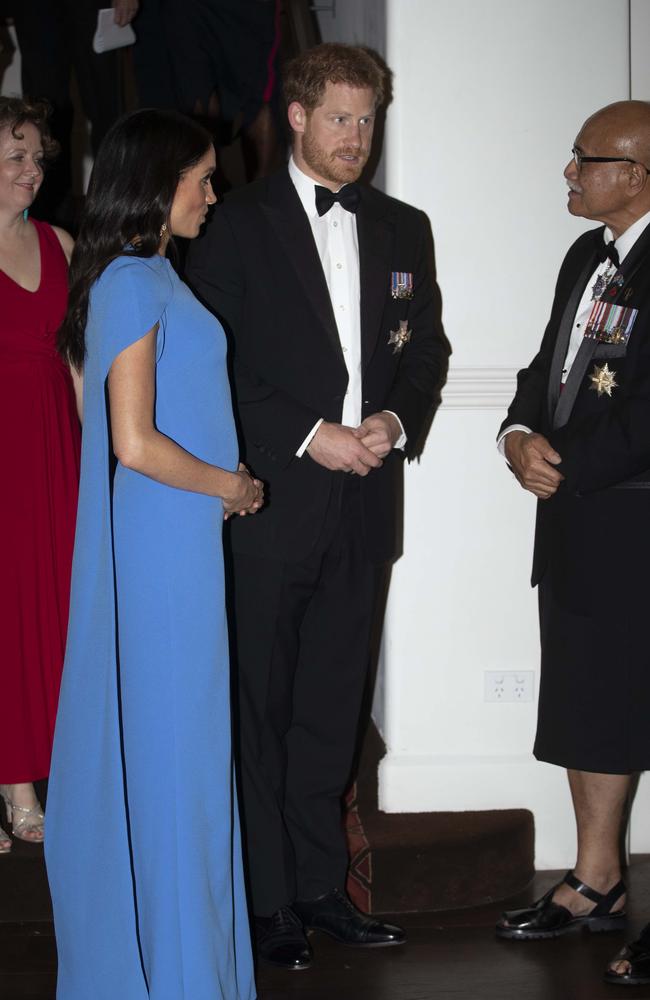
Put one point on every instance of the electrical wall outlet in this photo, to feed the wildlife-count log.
(509, 685)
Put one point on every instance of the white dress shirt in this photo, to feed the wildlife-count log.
(337, 243)
(623, 244)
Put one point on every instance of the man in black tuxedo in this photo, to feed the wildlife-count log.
(328, 291)
(577, 436)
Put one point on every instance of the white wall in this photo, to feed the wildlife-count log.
(489, 95)
(639, 38)
(10, 58)
(357, 22)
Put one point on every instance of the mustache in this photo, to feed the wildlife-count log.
(573, 187)
(350, 152)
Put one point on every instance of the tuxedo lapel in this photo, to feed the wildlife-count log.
(376, 237)
(562, 405)
(286, 216)
(559, 406)
(573, 382)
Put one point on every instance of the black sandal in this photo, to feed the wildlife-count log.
(637, 953)
(546, 919)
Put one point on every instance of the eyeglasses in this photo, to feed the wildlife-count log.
(579, 158)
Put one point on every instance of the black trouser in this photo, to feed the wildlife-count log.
(302, 649)
(221, 46)
(152, 64)
(55, 37)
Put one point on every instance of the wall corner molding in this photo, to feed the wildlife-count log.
(479, 388)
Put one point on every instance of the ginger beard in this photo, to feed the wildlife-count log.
(330, 166)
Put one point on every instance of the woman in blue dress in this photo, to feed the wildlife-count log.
(142, 833)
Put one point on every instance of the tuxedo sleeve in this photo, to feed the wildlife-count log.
(529, 404)
(415, 393)
(527, 407)
(530, 399)
(272, 420)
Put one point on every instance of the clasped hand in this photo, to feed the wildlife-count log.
(355, 449)
(532, 459)
(247, 494)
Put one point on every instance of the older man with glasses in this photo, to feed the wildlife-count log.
(577, 436)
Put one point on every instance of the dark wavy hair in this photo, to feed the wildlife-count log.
(16, 111)
(130, 195)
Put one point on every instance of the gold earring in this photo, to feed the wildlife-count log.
(163, 229)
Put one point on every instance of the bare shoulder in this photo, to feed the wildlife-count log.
(66, 241)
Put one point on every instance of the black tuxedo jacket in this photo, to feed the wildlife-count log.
(257, 268)
(588, 533)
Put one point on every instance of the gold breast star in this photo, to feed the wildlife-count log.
(602, 380)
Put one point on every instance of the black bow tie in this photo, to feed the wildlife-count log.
(348, 197)
(608, 251)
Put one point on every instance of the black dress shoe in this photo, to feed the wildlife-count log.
(281, 940)
(338, 917)
(637, 956)
(546, 919)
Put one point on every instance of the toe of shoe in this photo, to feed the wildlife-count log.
(287, 955)
(388, 934)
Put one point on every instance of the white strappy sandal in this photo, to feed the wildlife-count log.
(5, 842)
(24, 820)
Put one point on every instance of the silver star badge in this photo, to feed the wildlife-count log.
(399, 337)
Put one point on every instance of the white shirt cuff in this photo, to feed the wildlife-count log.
(303, 447)
(512, 427)
(401, 441)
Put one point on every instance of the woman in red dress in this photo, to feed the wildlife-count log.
(39, 445)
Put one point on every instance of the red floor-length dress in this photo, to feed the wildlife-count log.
(39, 463)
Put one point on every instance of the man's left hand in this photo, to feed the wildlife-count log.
(379, 432)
